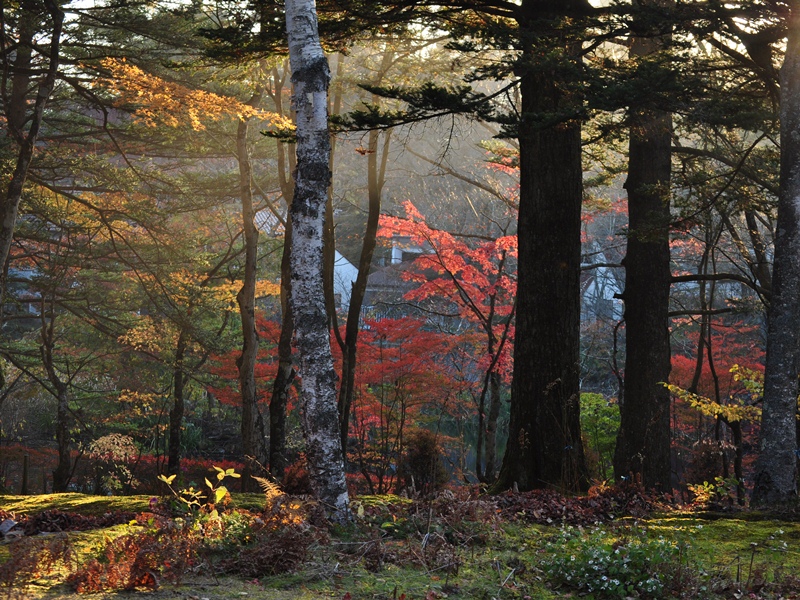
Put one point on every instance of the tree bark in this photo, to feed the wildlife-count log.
(9, 203)
(283, 379)
(246, 299)
(177, 410)
(491, 427)
(776, 466)
(63, 471)
(376, 177)
(278, 460)
(311, 76)
(544, 446)
(643, 441)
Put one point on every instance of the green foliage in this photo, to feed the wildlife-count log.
(752, 380)
(599, 424)
(228, 530)
(591, 562)
(724, 489)
(424, 102)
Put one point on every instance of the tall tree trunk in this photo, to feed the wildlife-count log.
(544, 446)
(246, 299)
(329, 235)
(178, 406)
(376, 177)
(311, 76)
(776, 466)
(279, 400)
(283, 379)
(9, 203)
(63, 471)
(491, 427)
(643, 442)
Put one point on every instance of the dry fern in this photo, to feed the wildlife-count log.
(272, 491)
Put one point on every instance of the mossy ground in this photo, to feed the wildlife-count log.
(501, 562)
(97, 505)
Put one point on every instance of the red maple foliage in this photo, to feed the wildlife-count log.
(404, 378)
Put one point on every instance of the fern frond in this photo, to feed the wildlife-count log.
(271, 489)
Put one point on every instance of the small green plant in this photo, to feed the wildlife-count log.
(599, 424)
(607, 568)
(192, 499)
(722, 490)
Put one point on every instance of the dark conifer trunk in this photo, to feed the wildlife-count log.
(490, 472)
(776, 468)
(544, 445)
(278, 459)
(643, 442)
(60, 389)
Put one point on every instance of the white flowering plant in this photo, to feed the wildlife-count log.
(602, 566)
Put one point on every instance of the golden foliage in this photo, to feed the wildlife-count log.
(728, 412)
(140, 404)
(157, 337)
(161, 102)
(267, 288)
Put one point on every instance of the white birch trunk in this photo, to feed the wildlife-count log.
(776, 469)
(310, 76)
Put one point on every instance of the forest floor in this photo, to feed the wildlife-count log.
(616, 543)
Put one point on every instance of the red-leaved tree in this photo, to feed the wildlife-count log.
(477, 280)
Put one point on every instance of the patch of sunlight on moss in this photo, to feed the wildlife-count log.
(735, 547)
(382, 500)
(72, 502)
(253, 502)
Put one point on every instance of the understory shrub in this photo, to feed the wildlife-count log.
(139, 560)
(421, 469)
(33, 557)
(272, 552)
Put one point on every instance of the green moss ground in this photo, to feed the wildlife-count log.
(503, 566)
(98, 505)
